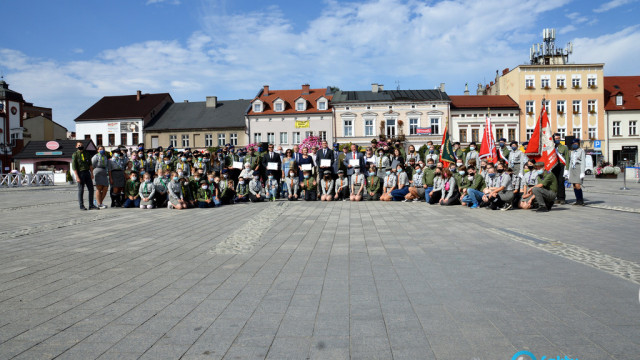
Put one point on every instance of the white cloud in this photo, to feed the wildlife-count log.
(172, 2)
(566, 29)
(78, 51)
(346, 45)
(612, 5)
(618, 51)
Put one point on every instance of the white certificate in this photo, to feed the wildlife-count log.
(237, 164)
(371, 160)
(306, 167)
(354, 162)
(325, 162)
(272, 166)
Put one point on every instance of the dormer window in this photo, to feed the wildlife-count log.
(618, 100)
(278, 105)
(322, 103)
(301, 105)
(257, 107)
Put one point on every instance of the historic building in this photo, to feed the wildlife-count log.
(622, 106)
(413, 116)
(468, 114)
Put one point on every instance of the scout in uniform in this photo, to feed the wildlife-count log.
(160, 183)
(529, 180)
(357, 185)
(81, 166)
(137, 164)
(271, 186)
(308, 185)
(437, 190)
(474, 192)
(428, 174)
(516, 159)
(403, 185)
(413, 154)
(116, 167)
(176, 199)
(229, 160)
(242, 190)
(146, 191)
(545, 190)
(132, 191)
(342, 186)
(503, 149)
(457, 152)
(576, 170)
(253, 160)
(516, 185)
(292, 183)
(183, 166)
(187, 192)
(462, 181)
(390, 184)
(256, 191)
(472, 155)
(150, 164)
(416, 190)
(561, 169)
(382, 163)
(226, 188)
(502, 190)
(326, 187)
(373, 185)
(204, 195)
(100, 164)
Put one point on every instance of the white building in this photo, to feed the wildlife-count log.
(287, 117)
(120, 120)
(622, 106)
(468, 114)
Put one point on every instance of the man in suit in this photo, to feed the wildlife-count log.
(353, 155)
(272, 157)
(325, 154)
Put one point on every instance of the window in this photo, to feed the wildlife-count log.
(575, 81)
(234, 139)
(134, 139)
(322, 135)
(529, 82)
(591, 106)
(577, 106)
(88, 137)
(616, 128)
(13, 138)
(463, 135)
(257, 107)
(618, 100)
(300, 106)
(435, 126)
(529, 134)
(185, 140)
(592, 133)
(284, 138)
(123, 139)
(512, 134)
(348, 127)
(278, 106)
(475, 135)
(561, 106)
(529, 107)
(592, 81)
(112, 139)
(173, 140)
(561, 82)
(296, 137)
(369, 127)
(322, 105)
(547, 105)
(208, 140)
(577, 132)
(222, 139)
(544, 82)
(633, 125)
(271, 138)
(307, 134)
(98, 139)
(257, 138)
(562, 132)
(391, 128)
(413, 126)
(499, 133)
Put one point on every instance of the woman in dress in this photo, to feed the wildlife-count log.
(117, 165)
(576, 170)
(305, 160)
(100, 163)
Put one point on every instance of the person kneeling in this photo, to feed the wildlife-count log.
(242, 191)
(132, 191)
(357, 184)
(292, 184)
(205, 197)
(373, 185)
(309, 187)
(147, 192)
(342, 187)
(326, 186)
(256, 191)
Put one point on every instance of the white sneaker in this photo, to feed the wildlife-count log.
(416, 200)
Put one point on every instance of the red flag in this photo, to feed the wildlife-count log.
(541, 146)
(488, 146)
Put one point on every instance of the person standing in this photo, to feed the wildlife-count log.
(517, 159)
(100, 164)
(561, 169)
(83, 169)
(576, 170)
(325, 154)
(353, 158)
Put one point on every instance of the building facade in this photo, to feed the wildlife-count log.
(116, 121)
(468, 114)
(622, 97)
(412, 116)
(200, 125)
(41, 128)
(11, 125)
(287, 117)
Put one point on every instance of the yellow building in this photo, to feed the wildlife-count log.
(573, 93)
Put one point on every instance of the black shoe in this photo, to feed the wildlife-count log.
(578, 203)
(83, 208)
(542, 209)
(93, 207)
(561, 202)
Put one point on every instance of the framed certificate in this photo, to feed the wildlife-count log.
(237, 164)
(325, 162)
(272, 166)
(354, 162)
(306, 167)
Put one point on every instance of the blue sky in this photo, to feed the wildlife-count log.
(68, 54)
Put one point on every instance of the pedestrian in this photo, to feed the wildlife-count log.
(577, 170)
(83, 170)
(100, 163)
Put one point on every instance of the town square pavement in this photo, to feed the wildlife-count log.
(338, 280)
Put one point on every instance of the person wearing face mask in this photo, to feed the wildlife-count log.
(352, 159)
(561, 169)
(271, 186)
(398, 145)
(450, 191)
(150, 164)
(146, 192)
(183, 166)
(416, 190)
(205, 195)
(369, 158)
(516, 159)
(242, 191)
(472, 195)
(327, 187)
(100, 164)
(516, 185)
(438, 187)
(116, 178)
(226, 192)
(341, 190)
(83, 170)
(431, 153)
(577, 170)
(412, 154)
(176, 200)
(402, 184)
(462, 181)
(309, 186)
(161, 182)
(390, 183)
(545, 190)
(132, 191)
(501, 190)
(472, 155)
(503, 148)
(457, 152)
(292, 183)
(382, 162)
(356, 185)
(529, 180)
(256, 191)
(247, 172)
(373, 185)
(428, 175)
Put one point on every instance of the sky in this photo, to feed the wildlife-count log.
(68, 54)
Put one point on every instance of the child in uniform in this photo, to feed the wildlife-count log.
(357, 184)
(131, 191)
(326, 187)
(205, 198)
(342, 186)
(256, 191)
(271, 186)
(309, 186)
(292, 184)
(146, 191)
(242, 191)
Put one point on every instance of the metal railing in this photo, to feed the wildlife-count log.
(19, 180)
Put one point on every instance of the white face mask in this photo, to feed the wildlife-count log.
(205, 186)
(357, 171)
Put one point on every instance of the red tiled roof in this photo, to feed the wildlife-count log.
(124, 107)
(628, 86)
(290, 97)
(482, 101)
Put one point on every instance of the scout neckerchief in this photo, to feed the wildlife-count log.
(225, 185)
(144, 188)
(355, 183)
(341, 181)
(291, 183)
(206, 191)
(326, 185)
(103, 161)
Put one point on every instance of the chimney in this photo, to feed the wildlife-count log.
(138, 95)
(466, 89)
(480, 90)
(186, 101)
(442, 87)
(380, 87)
(212, 101)
(265, 92)
(505, 71)
(305, 89)
(374, 88)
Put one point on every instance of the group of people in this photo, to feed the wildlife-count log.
(189, 179)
